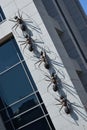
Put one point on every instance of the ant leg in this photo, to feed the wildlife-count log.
(19, 14)
(25, 47)
(27, 20)
(12, 20)
(61, 107)
(57, 100)
(58, 104)
(37, 61)
(22, 43)
(14, 26)
(49, 86)
(47, 80)
(40, 63)
(47, 76)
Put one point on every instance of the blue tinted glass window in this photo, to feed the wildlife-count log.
(39, 97)
(30, 77)
(27, 117)
(8, 55)
(38, 125)
(1, 104)
(9, 126)
(23, 105)
(2, 16)
(14, 85)
(20, 101)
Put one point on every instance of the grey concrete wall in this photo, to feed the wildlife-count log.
(74, 89)
(78, 16)
(66, 37)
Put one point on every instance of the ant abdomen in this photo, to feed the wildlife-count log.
(67, 110)
(23, 27)
(31, 48)
(55, 88)
(47, 66)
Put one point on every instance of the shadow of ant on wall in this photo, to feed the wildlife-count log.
(72, 110)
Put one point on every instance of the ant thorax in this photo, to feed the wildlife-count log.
(29, 40)
(42, 56)
(20, 21)
(54, 78)
(64, 101)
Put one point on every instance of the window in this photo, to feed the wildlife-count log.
(21, 105)
(2, 16)
(84, 5)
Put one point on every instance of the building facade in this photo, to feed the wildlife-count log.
(43, 65)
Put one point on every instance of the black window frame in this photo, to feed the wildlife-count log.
(38, 111)
(2, 15)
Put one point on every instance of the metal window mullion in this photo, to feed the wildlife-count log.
(8, 116)
(23, 112)
(43, 111)
(1, 17)
(11, 67)
(26, 74)
(31, 122)
(18, 100)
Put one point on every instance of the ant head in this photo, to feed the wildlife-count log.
(16, 17)
(26, 36)
(62, 97)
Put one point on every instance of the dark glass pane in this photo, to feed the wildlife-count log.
(14, 85)
(2, 16)
(38, 125)
(8, 126)
(22, 106)
(27, 117)
(39, 97)
(31, 79)
(4, 115)
(50, 122)
(1, 104)
(44, 108)
(8, 55)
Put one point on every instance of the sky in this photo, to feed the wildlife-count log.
(84, 5)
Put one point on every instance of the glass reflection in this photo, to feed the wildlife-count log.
(22, 106)
(14, 85)
(8, 55)
(31, 79)
(27, 117)
(38, 125)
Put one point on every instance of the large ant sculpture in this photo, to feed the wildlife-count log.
(19, 22)
(53, 79)
(29, 41)
(65, 103)
(43, 58)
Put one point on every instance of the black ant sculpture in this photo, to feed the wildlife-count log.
(29, 41)
(65, 103)
(19, 22)
(53, 79)
(43, 58)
